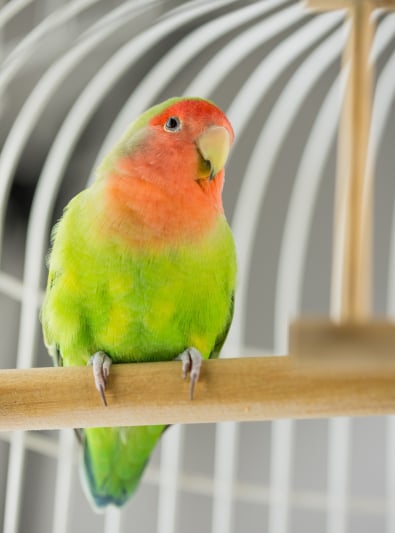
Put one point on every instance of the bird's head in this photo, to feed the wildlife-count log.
(180, 139)
(165, 176)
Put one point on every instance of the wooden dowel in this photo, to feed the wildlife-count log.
(242, 389)
(354, 186)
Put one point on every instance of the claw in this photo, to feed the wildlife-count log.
(191, 363)
(101, 364)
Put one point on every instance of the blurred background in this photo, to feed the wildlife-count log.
(73, 75)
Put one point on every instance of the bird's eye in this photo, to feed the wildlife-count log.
(173, 124)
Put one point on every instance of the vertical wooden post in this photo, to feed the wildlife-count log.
(353, 206)
(353, 218)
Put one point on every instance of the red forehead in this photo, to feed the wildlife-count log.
(200, 112)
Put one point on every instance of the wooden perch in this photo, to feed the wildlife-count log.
(242, 389)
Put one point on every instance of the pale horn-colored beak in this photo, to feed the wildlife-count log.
(213, 146)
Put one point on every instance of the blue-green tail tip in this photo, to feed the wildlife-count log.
(99, 497)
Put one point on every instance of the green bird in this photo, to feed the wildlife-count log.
(143, 268)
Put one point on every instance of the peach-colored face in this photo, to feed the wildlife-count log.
(170, 145)
(158, 187)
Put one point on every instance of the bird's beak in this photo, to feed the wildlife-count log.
(213, 146)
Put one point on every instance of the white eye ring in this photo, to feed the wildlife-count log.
(172, 124)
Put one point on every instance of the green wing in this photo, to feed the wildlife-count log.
(222, 337)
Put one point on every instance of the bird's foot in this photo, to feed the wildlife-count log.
(101, 364)
(191, 363)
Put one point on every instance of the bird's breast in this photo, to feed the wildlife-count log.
(149, 215)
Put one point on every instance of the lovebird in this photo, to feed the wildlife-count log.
(142, 267)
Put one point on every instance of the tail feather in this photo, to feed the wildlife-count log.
(114, 460)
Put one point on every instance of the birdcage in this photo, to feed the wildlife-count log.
(283, 457)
